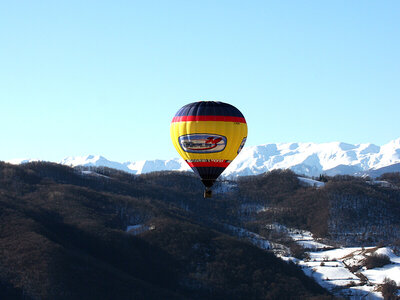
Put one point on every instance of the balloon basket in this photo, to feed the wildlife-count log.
(207, 193)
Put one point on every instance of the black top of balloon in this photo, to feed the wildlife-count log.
(209, 108)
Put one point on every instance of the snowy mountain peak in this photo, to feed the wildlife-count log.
(146, 166)
(313, 159)
(18, 161)
(309, 159)
(88, 160)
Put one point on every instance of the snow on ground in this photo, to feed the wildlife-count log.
(377, 275)
(224, 186)
(389, 252)
(363, 292)
(391, 271)
(252, 237)
(332, 268)
(91, 173)
(138, 229)
(334, 271)
(252, 208)
(335, 254)
(311, 182)
(312, 245)
(329, 272)
(306, 239)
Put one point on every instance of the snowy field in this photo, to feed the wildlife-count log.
(306, 239)
(331, 268)
(334, 269)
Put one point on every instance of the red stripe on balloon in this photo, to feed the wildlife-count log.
(208, 118)
(208, 164)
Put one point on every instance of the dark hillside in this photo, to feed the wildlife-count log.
(347, 210)
(363, 213)
(283, 200)
(393, 178)
(63, 236)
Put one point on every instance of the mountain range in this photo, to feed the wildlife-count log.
(310, 159)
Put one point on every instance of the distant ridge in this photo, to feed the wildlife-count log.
(378, 172)
(310, 159)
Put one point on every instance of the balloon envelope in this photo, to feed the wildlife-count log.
(208, 135)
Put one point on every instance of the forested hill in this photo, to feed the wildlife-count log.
(346, 210)
(63, 235)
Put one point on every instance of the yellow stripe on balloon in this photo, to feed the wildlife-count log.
(233, 131)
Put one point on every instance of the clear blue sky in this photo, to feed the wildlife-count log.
(106, 77)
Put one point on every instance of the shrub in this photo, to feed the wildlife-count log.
(298, 251)
(376, 261)
(393, 178)
(351, 283)
(389, 289)
(354, 268)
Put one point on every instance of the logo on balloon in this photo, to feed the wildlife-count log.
(202, 143)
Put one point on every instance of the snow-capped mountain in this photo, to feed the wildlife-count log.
(18, 161)
(310, 159)
(135, 167)
(313, 159)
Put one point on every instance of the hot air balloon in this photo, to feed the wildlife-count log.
(208, 135)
